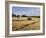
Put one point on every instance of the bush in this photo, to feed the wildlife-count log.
(18, 15)
(29, 18)
(23, 16)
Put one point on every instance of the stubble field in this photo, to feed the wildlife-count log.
(20, 24)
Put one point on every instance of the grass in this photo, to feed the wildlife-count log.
(24, 24)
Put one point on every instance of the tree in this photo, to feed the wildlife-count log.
(18, 15)
(23, 15)
(13, 15)
(29, 18)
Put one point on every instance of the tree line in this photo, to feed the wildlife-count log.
(24, 16)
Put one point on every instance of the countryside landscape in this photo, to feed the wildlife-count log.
(25, 18)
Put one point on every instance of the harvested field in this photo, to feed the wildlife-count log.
(20, 24)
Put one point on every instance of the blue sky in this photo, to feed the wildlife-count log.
(29, 11)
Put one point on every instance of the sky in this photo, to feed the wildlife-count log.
(29, 11)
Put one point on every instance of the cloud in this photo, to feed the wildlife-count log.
(30, 11)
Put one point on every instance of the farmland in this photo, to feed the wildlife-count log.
(20, 24)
